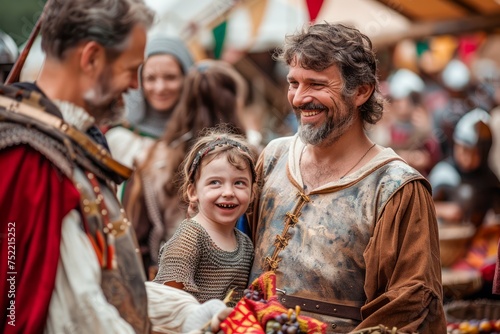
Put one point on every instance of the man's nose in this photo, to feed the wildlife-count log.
(301, 96)
(134, 82)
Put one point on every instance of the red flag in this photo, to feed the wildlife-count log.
(314, 6)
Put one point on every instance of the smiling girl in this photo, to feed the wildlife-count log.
(207, 256)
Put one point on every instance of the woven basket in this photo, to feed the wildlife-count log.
(454, 240)
(458, 284)
(463, 310)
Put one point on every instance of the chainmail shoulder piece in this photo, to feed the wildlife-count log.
(207, 272)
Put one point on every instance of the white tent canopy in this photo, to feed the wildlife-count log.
(281, 17)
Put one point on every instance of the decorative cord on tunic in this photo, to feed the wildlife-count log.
(281, 241)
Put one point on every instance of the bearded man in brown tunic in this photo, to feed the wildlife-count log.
(347, 226)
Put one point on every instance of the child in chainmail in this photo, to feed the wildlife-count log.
(208, 256)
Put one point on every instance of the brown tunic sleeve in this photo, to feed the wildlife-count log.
(403, 269)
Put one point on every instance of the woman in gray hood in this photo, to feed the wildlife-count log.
(148, 109)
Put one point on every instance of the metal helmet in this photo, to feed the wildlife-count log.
(8, 49)
(456, 75)
(473, 130)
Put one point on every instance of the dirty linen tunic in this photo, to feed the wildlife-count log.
(369, 240)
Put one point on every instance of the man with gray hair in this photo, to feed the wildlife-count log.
(68, 252)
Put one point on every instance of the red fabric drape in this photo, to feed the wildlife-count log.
(34, 198)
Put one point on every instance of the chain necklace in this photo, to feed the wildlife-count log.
(364, 155)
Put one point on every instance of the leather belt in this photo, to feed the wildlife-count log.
(316, 306)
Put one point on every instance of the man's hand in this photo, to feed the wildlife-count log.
(206, 318)
(218, 319)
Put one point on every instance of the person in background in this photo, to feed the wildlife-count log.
(347, 226)
(406, 126)
(68, 251)
(208, 256)
(213, 93)
(149, 108)
(464, 186)
(466, 192)
(455, 78)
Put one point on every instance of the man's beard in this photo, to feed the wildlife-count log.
(323, 134)
(103, 104)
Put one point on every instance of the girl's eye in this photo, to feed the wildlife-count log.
(215, 182)
(240, 183)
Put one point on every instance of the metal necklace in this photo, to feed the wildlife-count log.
(364, 155)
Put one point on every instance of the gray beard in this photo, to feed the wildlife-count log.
(105, 110)
(111, 115)
(313, 136)
(322, 135)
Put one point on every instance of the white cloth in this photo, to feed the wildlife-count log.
(175, 311)
(126, 146)
(78, 304)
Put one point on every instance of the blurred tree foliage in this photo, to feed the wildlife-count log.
(18, 17)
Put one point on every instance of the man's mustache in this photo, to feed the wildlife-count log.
(310, 106)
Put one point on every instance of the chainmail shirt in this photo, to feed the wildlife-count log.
(207, 272)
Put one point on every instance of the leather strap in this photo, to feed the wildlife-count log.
(316, 306)
(96, 151)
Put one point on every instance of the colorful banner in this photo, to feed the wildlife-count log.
(219, 33)
(257, 10)
(313, 7)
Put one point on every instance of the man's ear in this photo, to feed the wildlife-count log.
(363, 94)
(93, 58)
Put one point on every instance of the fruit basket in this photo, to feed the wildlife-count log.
(260, 312)
(476, 316)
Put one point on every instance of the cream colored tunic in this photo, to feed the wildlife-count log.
(368, 240)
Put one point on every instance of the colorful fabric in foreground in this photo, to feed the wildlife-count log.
(260, 309)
